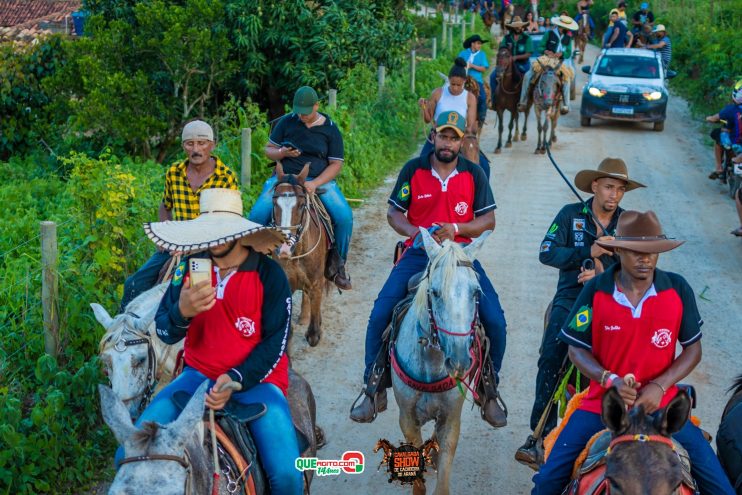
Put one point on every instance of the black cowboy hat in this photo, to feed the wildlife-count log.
(471, 39)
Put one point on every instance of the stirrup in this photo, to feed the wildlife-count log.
(373, 400)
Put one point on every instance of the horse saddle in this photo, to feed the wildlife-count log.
(589, 473)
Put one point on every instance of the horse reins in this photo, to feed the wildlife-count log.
(304, 218)
(509, 68)
(184, 461)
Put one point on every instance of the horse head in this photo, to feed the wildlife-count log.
(129, 349)
(642, 458)
(470, 148)
(504, 61)
(448, 299)
(547, 88)
(160, 459)
(290, 206)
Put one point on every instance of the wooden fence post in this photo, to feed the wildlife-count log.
(473, 20)
(333, 98)
(246, 159)
(435, 47)
(50, 287)
(443, 33)
(380, 76)
(463, 29)
(412, 71)
(450, 37)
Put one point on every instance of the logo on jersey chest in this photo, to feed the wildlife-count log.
(461, 208)
(662, 338)
(245, 326)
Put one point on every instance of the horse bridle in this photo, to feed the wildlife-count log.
(641, 437)
(148, 391)
(184, 461)
(510, 66)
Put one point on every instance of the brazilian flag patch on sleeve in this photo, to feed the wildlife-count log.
(178, 275)
(404, 192)
(582, 319)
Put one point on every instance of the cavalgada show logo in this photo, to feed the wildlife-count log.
(351, 462)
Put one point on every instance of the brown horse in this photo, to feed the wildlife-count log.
(471, 86)
(299, 214)
(488, 18)
(583, 34)
(547, 100)
(507, 95)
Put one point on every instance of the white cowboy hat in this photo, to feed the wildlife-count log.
(220, 221)
(566, 22)
(658, 28)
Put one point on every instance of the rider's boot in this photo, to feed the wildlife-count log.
(531, 453)
(342, 280)
(491, 405)
(374, 393)
(565, 97)
(525, 90)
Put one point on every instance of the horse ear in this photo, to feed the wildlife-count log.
(674, 416)
(115, 415)
(303, 174)
(279, 170)
(191, 415)
(472, 250)
(101, 315)
(614, 413)
(431, 247)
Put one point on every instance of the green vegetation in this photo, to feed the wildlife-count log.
(99, 189)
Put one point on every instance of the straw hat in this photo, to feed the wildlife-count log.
(516, 22)
(220, 221)
(566, 22)
(613, 168)
(640, 232)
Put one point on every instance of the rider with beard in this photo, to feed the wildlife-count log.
(568, 243)
(450, 196)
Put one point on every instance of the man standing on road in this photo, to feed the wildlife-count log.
(629, 320)
(450, 196)
(184, 182)
(569, 242)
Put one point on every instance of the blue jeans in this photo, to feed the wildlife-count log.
(332, 198)
(555, 474)
(273, 429)
(412, 262)
(481, 103)
(483, 160)
(144, 279)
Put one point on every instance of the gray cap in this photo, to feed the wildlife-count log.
(197, 129)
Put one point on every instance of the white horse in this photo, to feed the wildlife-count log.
(436, 342)
(137, 362)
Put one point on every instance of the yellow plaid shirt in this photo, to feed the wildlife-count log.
(180, 199)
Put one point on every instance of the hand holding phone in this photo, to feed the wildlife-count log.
(198, 295)
(291, 149)
(200, 270)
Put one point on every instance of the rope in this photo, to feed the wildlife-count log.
(314, 204)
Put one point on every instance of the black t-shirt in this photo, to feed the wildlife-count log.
(318, 144)
(644, 18)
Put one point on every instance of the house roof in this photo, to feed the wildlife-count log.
(14, 12)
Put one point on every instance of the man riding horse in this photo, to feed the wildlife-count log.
(520, 46)
(309, 136)
(476, 65)
(628, 321)
(557, 49)
(569, 242)
(235, 324)
(450, 196)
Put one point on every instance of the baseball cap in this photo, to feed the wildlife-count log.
(451, 120)
(658, 28)
(197, 129)
(644, 6)
(304, 100)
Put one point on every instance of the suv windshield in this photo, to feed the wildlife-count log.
(628, 66)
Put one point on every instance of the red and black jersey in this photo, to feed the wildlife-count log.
(641, 340)
(245, 334)
(427, 199)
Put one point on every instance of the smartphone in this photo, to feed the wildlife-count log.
(200, 270)
(290, 145)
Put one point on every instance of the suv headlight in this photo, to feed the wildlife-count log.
(654, 95)
(598, 93)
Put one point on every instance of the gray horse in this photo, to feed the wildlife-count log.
(137, 363)
(547, 96)
(450, 289)
(188, 466)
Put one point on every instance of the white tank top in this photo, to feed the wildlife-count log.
(449, 102)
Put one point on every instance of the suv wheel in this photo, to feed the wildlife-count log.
(659, 126)
(584, 121)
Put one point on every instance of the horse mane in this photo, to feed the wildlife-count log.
(145, 436)
(736, 386)
(447, 260)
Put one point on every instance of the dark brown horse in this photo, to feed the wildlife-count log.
(583, 34)
(507, 95)
(298, 213)
(729, 437)
(641, 458)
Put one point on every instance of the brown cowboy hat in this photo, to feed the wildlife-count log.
(516, 22)
(640, 232)
(613, 168)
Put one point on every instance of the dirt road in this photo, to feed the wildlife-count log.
(674, 165)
